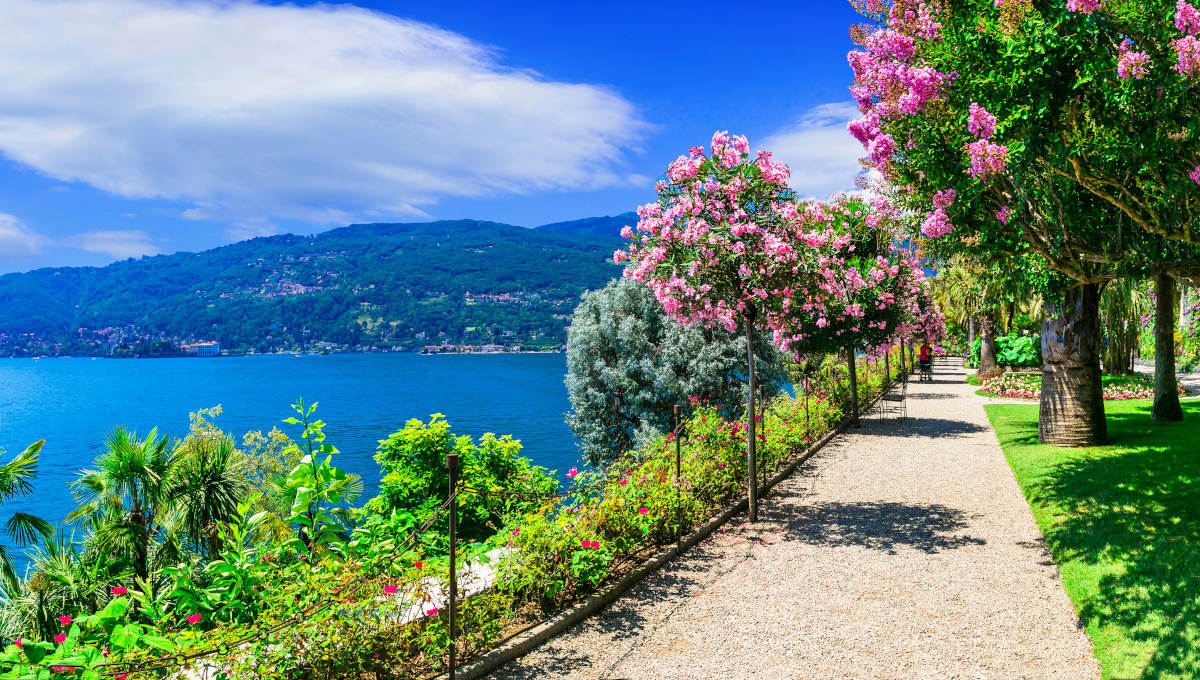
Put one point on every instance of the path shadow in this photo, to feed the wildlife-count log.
(932, 395)
(623, 622)
(881, 526)
(916, 426)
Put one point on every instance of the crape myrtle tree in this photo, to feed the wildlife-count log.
(628, 364)
(1017, 125)
(721, 247)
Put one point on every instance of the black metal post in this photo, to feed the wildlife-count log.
(678, 482)
(807, 427)
(452, 466)
(751, 448)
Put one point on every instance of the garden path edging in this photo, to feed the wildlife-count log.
(524, 642)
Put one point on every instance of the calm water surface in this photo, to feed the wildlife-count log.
(72, 403)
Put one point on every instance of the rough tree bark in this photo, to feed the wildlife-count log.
(971, 325)
(987, 344)
(1166, 397)
(1072, 407)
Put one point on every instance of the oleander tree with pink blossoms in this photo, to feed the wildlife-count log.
(869, 294)
(723, 246)
(1065, 128)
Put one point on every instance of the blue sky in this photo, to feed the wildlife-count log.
(134, 127)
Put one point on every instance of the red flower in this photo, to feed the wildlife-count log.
(194, 619)
(120, 590)
(65, 620)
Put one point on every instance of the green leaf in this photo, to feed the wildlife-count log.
(159, 643)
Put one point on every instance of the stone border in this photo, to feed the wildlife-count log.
(526, 641)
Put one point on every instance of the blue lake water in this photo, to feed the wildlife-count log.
(73, 402)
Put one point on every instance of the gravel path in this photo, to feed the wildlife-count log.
(903, 550)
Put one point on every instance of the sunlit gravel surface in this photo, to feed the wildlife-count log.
(903, 550)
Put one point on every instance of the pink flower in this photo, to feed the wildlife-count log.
(936, 225)
(595, 544)
(981, 123)
(418, 565)
(646, 511)
(19, 643)
(1187, 49)
(1131, 64)
(572, 473)
(60, 638)
(1195, 174)
(431, 612)
(1083, 6)
(1004, 214)
(624, 482)
(1187, 19)
(120, 590)
(65, 620)
(516, 531)
(987, 158)
(389, 590)
(194, 619)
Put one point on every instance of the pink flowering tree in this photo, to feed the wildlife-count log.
(1066, 128)
(868, 293)
(722, 247)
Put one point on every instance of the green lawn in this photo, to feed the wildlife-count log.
(1123, 523)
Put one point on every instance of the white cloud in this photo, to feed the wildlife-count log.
(118, 244)
(17, 240)
(325, 113)
(822, 154)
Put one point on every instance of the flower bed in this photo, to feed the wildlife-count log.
(1029, 386)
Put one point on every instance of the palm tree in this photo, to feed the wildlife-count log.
(16, 480)
(123, 498)
(211, 477)
(62, 581)
(1123, 304)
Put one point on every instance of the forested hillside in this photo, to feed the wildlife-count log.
(362, 286)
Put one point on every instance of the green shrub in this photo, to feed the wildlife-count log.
(493, 473)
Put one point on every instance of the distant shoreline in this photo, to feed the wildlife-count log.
(280, 354)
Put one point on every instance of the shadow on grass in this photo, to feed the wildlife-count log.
(1126, 516)
(880, 526)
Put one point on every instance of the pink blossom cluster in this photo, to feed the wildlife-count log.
(723, 242)
(1083, 6)
(937, 224)
(1131, 64)
(981, 123)
(1195, 174)
(987, 159)
(1187, 18)
(1004, 214)
(1187, 48)
(887, 82)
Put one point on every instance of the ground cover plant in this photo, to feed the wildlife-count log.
(1122, 521)
(1029, 386)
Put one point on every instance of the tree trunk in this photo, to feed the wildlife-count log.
(1012, 317)
(987, 344)
(1072, 406)
(971, 324)
(751, 449)
(853, 387)
(1166, 397)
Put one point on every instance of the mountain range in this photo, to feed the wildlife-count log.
(361, 287)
